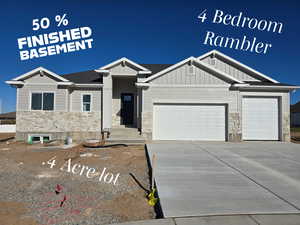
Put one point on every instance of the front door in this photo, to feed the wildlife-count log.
(127, 109)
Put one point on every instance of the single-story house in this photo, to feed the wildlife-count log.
(211, 97)
(295, 115)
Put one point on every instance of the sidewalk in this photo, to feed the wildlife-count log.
(286, 219)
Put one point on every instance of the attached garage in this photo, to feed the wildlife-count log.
(260, 118)
(205, 122)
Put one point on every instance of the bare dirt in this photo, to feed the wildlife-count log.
(28, 184)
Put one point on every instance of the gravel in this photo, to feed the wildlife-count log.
(88, 201)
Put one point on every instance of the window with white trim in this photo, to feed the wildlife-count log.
(86, 102)
(42, 101)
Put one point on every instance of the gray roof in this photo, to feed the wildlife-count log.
(155, 68)
(266, 83)
(85, 77)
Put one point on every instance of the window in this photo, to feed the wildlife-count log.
(42, 101)
(86, 103)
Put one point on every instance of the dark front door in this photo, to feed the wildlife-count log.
(127, 108)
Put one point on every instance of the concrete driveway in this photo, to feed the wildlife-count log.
(199, 178)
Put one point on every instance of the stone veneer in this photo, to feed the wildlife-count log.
(234, 127)
(78, 125)
(286, 131)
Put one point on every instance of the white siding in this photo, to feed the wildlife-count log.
(76, 99)
(181, 75)
(182, 94)
(38, 79)
(24, 96)
(229, 69)
(119, 70)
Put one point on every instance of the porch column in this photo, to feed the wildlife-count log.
(107, 102)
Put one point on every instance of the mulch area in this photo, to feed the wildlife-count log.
(28, 185)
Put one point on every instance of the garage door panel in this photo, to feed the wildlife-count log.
(260, 118)
(189, 122)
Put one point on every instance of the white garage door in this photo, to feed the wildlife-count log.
(260, 118)
(189, 122)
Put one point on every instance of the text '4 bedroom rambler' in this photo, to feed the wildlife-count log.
(212, 97)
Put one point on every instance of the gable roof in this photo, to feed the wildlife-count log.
(196, 61)
(123, 59)
(237, 63)
(85, 77)
(155, 68)
(28, 74)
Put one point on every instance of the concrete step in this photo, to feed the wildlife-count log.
(124, 132)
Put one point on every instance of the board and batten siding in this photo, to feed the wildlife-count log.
(229, 69)
(38, 79)
(120, 69)
(24, 96)
(181, 76)
(76, 99)
(190, 94)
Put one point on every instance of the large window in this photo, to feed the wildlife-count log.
(86, 103)
(42, 101)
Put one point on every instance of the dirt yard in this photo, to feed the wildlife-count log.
(28, 185)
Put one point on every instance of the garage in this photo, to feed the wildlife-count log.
(260, 118)
(205, 122)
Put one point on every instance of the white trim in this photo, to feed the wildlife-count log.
(144, 72)
(101, 71)
(237, 63)
(42, 92)
(183, 85)
(91, 102)
(218, 71)
(88, 85)
(67, 100)
(123, 74)
(194, 60)
(189, 101)
(13, 82)
(39, 69)
(206, 54)
(123, 59)
(269, 87)
(17, 100)
(142, 84)
(65, 83)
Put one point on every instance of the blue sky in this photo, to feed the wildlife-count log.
(147, 32)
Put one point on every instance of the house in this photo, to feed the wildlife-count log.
(212, 97)
(295, 115)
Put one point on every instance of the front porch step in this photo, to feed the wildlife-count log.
(125, 135)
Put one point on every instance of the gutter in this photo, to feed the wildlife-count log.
(248, 87)
(102, 71)
(14, 82)
(142, 84)
(87, 85)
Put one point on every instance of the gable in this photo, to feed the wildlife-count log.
(182, 76)
(124, 69)
(232, 70)
(233, 67)
(37, 78)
